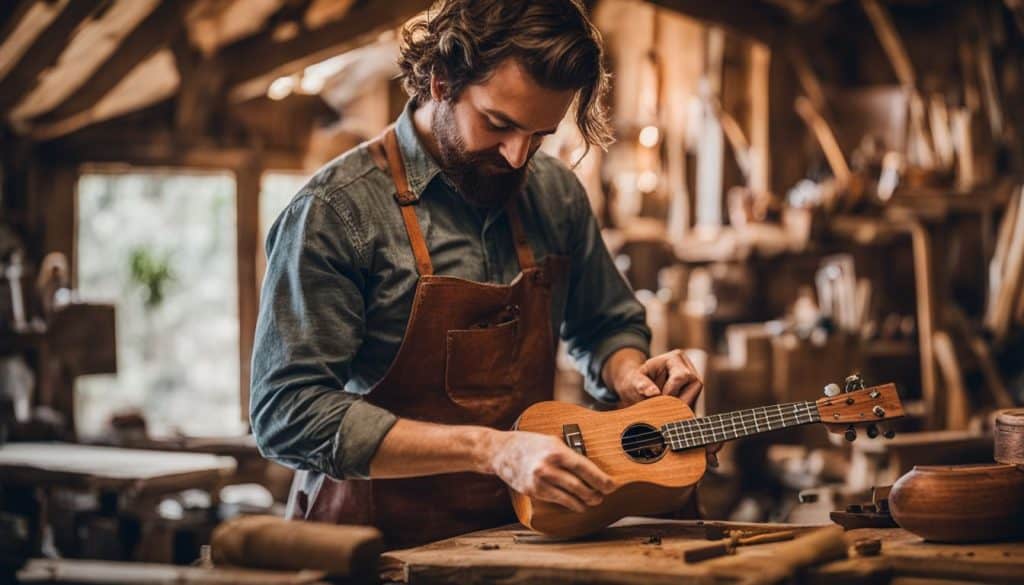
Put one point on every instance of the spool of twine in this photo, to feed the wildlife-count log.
(1009, 436)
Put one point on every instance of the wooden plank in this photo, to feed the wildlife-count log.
(248, 181)
(152, 81)
(201, 92)
(891, 42)
(44, 51)
(826, 140)
(11, 18)
(957, 408)
(252, 63)
(19, 27)
(155, 32)
(760, 157)
(906, 556)
(1012, 273)
(108, 467)
(633, 551)
(761, 21)
(116, 573)
(93, 44)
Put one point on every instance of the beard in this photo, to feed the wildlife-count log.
(483, 179)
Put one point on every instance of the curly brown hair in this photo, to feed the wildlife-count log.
(463, 41)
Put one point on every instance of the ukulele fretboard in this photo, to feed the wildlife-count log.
(726, 426)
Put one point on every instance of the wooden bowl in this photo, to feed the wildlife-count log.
(960, 503)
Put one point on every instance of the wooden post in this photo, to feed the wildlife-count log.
(710, 146)
(248, 178)
(760, 66)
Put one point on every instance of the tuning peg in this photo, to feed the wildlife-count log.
(854, 382)
(832, 390)
(850, 434)
(872, 431)
(889, 433)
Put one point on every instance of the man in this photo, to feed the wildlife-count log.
(416, 285)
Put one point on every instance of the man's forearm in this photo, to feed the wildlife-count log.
(412, 448)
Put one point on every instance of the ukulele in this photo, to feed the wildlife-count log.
(653, 449)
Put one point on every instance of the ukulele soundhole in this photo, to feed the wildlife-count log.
(643, 443)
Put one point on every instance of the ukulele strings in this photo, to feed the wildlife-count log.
(636, 443)
(695, 426)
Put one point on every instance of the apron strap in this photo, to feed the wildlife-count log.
(384, 150)
(386, 147)
(523, 250)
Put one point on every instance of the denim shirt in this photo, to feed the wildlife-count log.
(340, 281)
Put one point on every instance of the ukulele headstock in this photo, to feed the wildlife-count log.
(842, 409)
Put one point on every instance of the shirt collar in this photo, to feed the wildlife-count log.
(420, 167)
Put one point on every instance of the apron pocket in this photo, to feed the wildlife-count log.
(481, 364)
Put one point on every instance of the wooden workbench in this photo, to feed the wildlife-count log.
(649, 551)
(127, 482)
(109, 468)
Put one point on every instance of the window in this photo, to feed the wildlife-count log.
(162, 246)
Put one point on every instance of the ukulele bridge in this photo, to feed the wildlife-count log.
(574, 438)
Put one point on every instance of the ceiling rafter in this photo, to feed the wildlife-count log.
(252, 63)
(10, 19)
(154, 32)
(758, 20)
(44, 51)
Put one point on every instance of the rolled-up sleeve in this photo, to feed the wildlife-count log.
(310, 327)
(602, 314)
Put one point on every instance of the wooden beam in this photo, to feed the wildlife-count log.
(155, 32)
(201, 93)
(250, 64)
(11, 17)
(44, 52)
(248, 183)
(758, 20)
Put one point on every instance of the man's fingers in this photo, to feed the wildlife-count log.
(552, 493)
(645, 386)
(680, 374)
(585, 469)
(570, 483)
(711, 453)
(691, 391)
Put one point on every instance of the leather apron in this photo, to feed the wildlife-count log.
(473, 353)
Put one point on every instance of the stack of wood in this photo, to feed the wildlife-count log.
(1005, 307)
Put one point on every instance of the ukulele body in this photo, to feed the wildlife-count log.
(649, 481)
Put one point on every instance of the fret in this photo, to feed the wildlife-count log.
(716, 426)
(732, 423)
(727, 426)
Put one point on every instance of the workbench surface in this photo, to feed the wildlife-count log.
(649, 551)
(86, 466)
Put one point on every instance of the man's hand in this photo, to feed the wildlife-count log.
(635, 378)
(544, 468)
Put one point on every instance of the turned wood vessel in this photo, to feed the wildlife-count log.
(960, 503)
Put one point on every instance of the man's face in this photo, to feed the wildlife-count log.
(487, 135)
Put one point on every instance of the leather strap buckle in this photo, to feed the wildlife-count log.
(406, 198)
